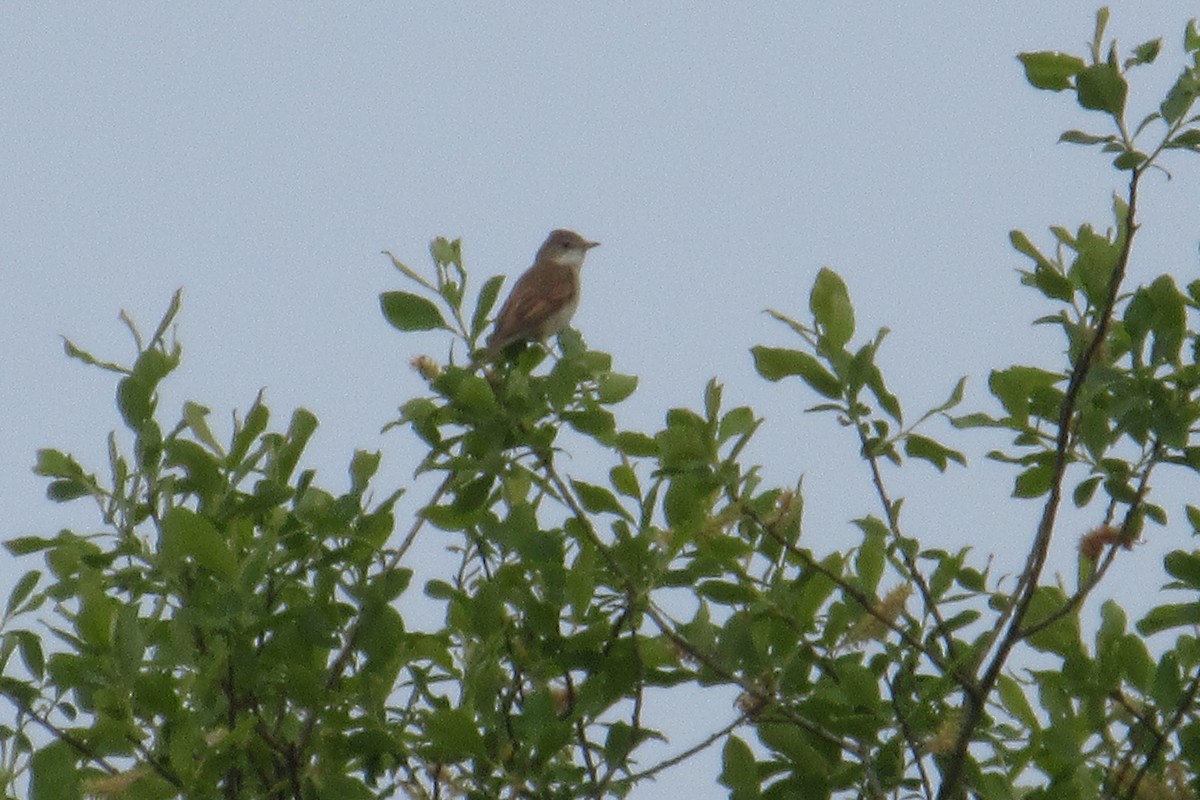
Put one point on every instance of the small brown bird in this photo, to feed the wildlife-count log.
(545, 298)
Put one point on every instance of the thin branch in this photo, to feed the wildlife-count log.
(679, 758)
(1138, 714)
(1075, 600)
(342, 660)
(1012, 618)
(889, 508)
(78, 745)
(669, 630)
(965, 681)
(910, 739)
(585, 747)
(1186, 703)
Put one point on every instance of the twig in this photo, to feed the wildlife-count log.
(914, 746)
(1013, 617)
(78, 744)
(1098, 574)
(1186, 703)
(869, 607)
(679, 758)
(669, 630)
(910, 563)
(342, 660)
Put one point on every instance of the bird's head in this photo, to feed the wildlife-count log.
(564, 247)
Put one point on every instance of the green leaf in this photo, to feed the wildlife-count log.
(1102, 15)
(1085, 490)
(245, 432)
(66, 490)
(472, 495)
(203, 470)
(726, 593)
(474, 393)
(57, 464)
(1022, 390)
(1034, 482)
(446, 251)
(73, 483)
(593, 421)
(153, 365)
(1062, 637)
(597, 499)
(74, 352)
(1023, 245)
(956, 396)
(408, 271)
(1144, 53)
(1170, 320)
(54, 773)
(483, 306)
(870, 559)
(686, 502)
(408, 312)
(135, 401)
(618, 743)
(1101, 87)
(737, 422)
(186, 534)
(829, 302)
(1184, 567)
(1136, 662)
(452, 735)
(94, 622)
(300, 429)
(929, 450)
(363, 467)
(24, 545)
(1165, 617)
(635, 444)
(776, 363)
(712, 400)
(195, 416)
(614, 387)
(1050, 70)
(625, 481)
(1079, 137)
(1167, 686)
(30, 647)
(1112, 628)
(1012, 695)
(1130, 159)
(739, 770)
(21, 591)
(1180, 97)
(1094, 265)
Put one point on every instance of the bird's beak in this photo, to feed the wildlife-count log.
(590, 245)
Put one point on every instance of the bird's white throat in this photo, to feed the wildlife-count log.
(572, 258)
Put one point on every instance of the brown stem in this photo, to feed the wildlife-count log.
(1012, 620)
(342, 660)
(1075, 600)
(910, 564)
(1186, 704)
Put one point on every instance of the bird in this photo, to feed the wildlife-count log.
(545, 297)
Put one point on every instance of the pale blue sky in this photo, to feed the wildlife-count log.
(261, 156)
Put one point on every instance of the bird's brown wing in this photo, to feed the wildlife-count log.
(538, 295)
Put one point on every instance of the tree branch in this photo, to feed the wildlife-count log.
(1013, 618)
